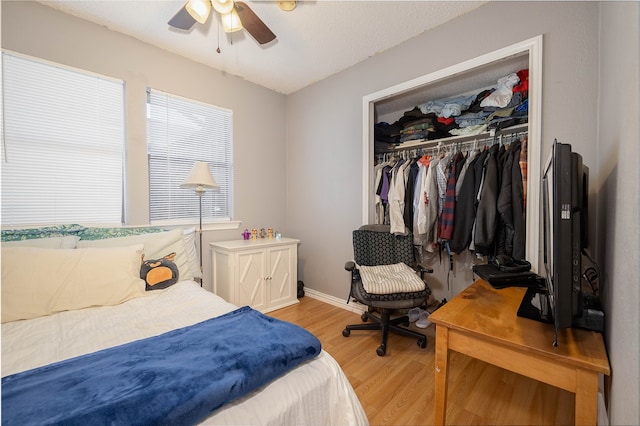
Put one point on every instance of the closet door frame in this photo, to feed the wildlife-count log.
(531, 47)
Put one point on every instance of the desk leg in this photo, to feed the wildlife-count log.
(442, 372)
(586, 397)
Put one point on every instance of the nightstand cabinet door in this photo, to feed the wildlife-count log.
(250, 281)
(281, 284)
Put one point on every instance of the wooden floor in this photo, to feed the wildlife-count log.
(397, 389)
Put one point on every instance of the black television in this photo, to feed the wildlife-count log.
(573, 300)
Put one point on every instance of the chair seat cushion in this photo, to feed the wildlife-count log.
(389, 301)
(390, 279)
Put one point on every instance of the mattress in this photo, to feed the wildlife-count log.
(316, 392)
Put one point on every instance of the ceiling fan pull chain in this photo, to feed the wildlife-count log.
(218, 49)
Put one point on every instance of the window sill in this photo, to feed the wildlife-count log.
(211, 226)
(220, 226)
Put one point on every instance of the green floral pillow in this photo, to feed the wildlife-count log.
(44, 232)
(104, 233)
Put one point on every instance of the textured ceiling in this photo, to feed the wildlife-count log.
(315, 40)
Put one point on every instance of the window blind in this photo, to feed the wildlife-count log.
(63, 144)
(179, 132)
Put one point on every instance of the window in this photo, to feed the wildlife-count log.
(179, 132)
(62, 144)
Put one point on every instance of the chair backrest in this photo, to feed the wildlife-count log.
(375, 245)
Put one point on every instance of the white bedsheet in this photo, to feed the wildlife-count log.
(315, 393)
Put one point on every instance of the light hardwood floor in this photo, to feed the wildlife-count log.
(397, 389)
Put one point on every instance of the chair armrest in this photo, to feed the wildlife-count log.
(350, 266)
(423, 270)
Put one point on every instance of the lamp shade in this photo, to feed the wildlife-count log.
(199, 9)
(222, 6)
(200, 178)
(287, 6)
(231, 21)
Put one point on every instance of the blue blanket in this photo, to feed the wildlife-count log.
(179, 377)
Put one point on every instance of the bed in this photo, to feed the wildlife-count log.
(313, 391)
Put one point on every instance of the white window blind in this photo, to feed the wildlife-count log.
(63, 144)
(179, 132)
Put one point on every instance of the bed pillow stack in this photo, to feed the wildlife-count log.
(156, 246)
(66, 242)
(42, 281)
(42, 276)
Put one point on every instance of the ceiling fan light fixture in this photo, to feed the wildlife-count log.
(222, 6)
(287, 6)
(231, 21)
(199, 9)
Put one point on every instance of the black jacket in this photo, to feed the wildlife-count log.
(466, 204)
(511, 205)
(487, 216)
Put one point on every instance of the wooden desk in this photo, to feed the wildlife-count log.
(482, 322)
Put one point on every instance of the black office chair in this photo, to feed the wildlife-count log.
(374, 245)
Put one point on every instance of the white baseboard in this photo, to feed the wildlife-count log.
(603, 417)
(352, 306)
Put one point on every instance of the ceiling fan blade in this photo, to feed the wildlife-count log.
(182, 20)
(253, 24)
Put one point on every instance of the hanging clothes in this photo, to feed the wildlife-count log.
(505, 201)
(523, 170)
(378, 185)
(447, 218)
(517, 204)
(467, 204)
(463, 170)
(432, 196)
(487, 214)
(474, 201)
(382, 192)
(409, 194)
(442, 180)
(397, 190)
(419, 201)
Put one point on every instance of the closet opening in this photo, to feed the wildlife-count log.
(466, 81)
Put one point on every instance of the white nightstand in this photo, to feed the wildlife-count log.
(261, 273)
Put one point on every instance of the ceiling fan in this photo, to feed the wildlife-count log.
(235, 15)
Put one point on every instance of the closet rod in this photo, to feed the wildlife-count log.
(522, 128)
(446, 144)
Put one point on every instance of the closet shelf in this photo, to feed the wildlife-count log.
(429, 143)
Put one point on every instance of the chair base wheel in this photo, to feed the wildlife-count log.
(385, 325)
(364, 317)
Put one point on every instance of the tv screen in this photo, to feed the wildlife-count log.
(565, 181)
(560, 217)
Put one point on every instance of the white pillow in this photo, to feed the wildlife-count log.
(156, 246)
(66, 242)
(189, 236)
(38, 282)
(389, 279)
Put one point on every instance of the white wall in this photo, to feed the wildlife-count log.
(325, 165)
(618, 179)
(258, 113)
(325, 172)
